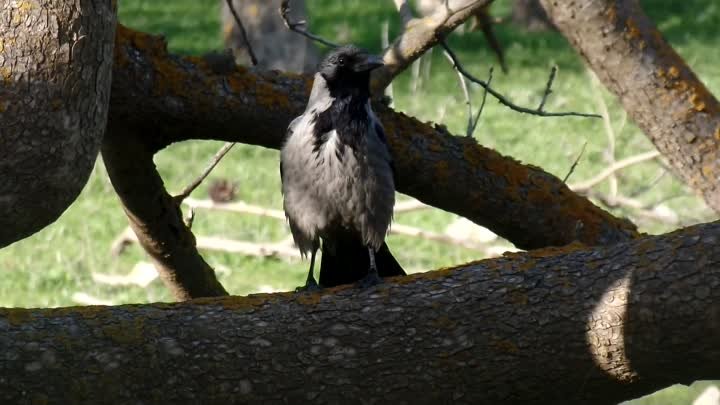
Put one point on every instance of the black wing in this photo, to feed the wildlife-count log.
(381, 135)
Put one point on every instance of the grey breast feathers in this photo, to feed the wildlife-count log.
(332, 186)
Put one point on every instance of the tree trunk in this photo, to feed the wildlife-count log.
(275, 46)
(574, 324)
(55, 74)
(657, 89)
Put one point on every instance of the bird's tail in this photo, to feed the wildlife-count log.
(345, 260)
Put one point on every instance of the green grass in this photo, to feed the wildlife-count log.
(48, 268)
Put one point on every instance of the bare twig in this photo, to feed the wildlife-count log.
(609, 132)
(297, 26)
(575, 163)
(215, 160)
(548, 88)
(504, 100)
(237, 206)
(482, 103)
(243, 33)
(466, 94)
(662, 172)
(609, 171)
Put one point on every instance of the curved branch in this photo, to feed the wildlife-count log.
(656, 87)
(183, 98)
(583, 325)
(155, 215)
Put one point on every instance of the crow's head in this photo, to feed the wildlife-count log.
(348, 67)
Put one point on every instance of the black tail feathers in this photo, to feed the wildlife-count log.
(345, 260)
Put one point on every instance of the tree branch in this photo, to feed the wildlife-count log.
(656, 87)
(187, 100)
(215, 160)
(155, 216)
(597, 326)
(614, 168)
(421, 34)
(504, 101)
(298, 26)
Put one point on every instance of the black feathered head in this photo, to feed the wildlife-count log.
(348, 67)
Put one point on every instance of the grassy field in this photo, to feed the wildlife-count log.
(56, 264)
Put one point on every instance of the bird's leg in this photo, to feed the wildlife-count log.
(372, 277)
(310, 283)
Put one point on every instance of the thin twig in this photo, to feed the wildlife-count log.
(548, 88)
(297, 26)
(249, 47)
(215, 160)
(502, 98)
(482, 104)
(575, 163)
(609, 171)
(609, 132)
(466, 94)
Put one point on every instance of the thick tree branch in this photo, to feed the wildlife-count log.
(155, 216)
(583, 325)
(656, 87)
(183, 98)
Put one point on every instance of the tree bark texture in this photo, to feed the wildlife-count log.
(657, 89)
(55, 74)
(557, 325)
(275, 46)
(168, 98)
(155, 217)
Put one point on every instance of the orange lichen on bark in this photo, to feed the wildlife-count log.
(631, 29)
(125, 37)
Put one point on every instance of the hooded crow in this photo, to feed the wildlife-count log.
(338, 177)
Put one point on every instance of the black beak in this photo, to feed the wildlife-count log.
(369, 63)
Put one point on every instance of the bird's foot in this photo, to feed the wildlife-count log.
(370, 280)
(310, 286)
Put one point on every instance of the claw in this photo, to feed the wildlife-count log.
(310, 286)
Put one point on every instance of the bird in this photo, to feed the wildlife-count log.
(338, 178)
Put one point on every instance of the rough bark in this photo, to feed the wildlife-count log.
(557, 325)
(186, 98)
(657, 89)
(275, 46)
(155, 217)
(55, 73)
